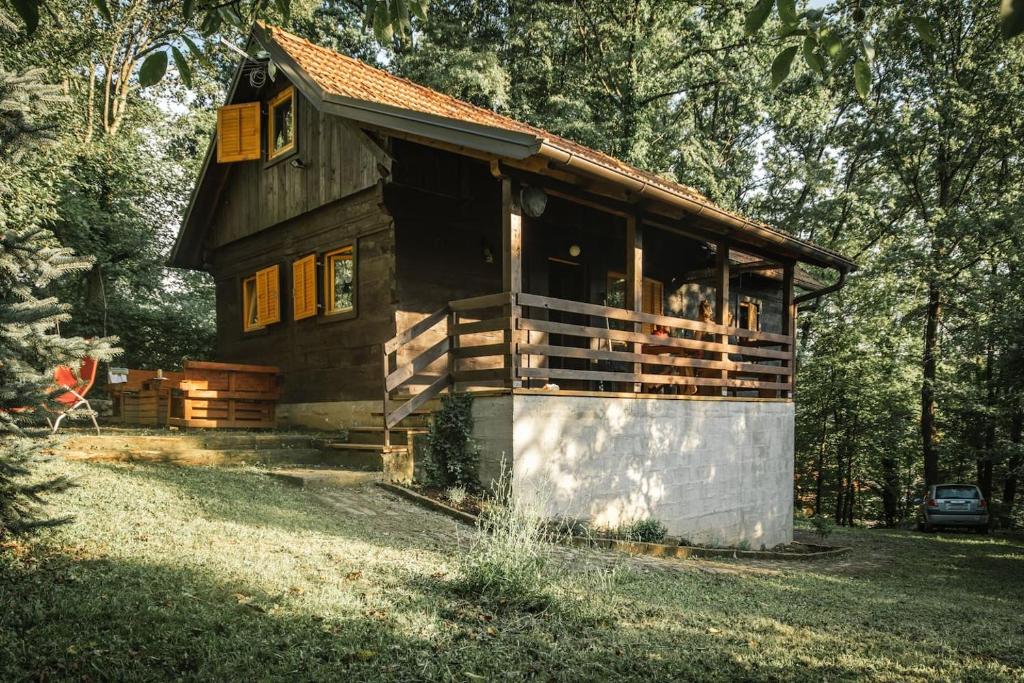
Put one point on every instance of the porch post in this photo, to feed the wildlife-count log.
(789, 325)
(722, 301)
(635, 283)
(511, 273)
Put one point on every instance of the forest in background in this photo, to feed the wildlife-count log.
(912, 371)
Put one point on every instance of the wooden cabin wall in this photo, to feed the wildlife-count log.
(257, 194)
(447, 220)
(321, 358)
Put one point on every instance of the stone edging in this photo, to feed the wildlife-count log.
(819, 552)
(428, 502)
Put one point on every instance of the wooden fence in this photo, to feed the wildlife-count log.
(535, 341)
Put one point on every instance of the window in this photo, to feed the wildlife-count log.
(749, 315)
(304, 287)
(651, 301)
(261, 300)
(340, 281)
(281, 123)
(652, 298)
(250, 318)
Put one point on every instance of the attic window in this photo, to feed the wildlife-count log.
(281, 123)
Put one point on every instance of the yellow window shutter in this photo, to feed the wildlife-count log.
(268, 296)
(238, 132)
(304, 287)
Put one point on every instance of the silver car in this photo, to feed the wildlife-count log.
(954, 505)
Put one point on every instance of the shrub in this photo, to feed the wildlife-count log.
(644, 530)
(823, 526)
(453, 458)
(456, 495)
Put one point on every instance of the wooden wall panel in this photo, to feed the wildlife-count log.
(321, 359)
(256, 196)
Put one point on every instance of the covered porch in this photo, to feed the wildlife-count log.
(601, 297)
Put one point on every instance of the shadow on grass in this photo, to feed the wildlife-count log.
(249, 497)
(90, 616)
(67, 618)
(95, 618)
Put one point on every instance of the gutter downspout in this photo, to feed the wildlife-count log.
(818, 293)
(693, 206)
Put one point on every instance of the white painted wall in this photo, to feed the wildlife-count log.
(713, 471)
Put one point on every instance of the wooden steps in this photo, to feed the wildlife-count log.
(368, 447)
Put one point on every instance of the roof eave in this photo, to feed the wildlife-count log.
(807, 252)
(517, 145)
(177, 258)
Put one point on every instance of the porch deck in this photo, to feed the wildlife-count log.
(527, 342)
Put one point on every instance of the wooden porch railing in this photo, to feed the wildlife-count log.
(602, 342)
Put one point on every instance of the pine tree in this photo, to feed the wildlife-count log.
(30, 259)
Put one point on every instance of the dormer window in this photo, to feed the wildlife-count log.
(281, 124)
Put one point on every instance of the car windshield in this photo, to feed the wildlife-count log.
(956, 492)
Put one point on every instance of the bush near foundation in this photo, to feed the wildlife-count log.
(643, 530)
(453, 458)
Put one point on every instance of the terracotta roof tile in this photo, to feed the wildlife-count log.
(337, 74)
(341, 75)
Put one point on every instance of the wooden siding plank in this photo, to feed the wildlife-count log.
(407, 335)
(410, 369)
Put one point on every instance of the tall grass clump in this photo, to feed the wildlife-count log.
(506, 563)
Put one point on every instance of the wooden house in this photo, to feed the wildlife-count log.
(630, 342)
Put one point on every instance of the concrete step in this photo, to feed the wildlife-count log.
(324, 478)
(394, 460)
(191, 440)
(205, 456)
(400, 436)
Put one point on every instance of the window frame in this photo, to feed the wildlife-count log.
(755, 305)
(285, 95)
(249, 301)
(611, 279)
(329, 311)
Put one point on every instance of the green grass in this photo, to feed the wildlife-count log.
(227, 574)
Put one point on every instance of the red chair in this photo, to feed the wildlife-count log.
(77, 387)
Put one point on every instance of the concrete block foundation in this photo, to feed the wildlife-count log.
(713, 471)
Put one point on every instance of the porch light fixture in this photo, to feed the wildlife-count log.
(533, 200)
(574, 250)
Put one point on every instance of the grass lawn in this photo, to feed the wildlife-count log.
(228, 574)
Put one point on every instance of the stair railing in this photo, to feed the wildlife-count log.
(450, 348)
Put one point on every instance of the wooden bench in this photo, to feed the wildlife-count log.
(224, 395)
(143, 400)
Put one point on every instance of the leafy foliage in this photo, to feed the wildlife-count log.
(453, 458)
(823, 526)
(647, 530)
(30, 260)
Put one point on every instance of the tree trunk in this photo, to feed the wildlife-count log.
(929, 363)
(1015, 463)
(890, 492)
(90, 104)
(989, 442)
